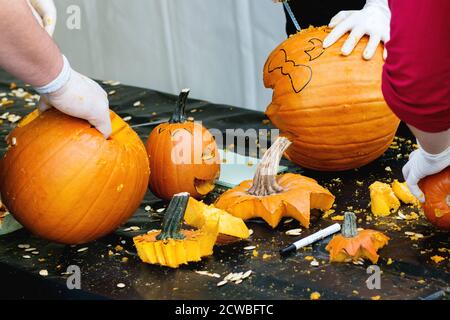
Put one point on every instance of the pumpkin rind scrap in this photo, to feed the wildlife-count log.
(383, 200)
(173, 246)
(183, 156)
(63, 181)
(329, 105)
(198, 213)
(436, 189)
(288, 195)
(402, 192)
(364, 244)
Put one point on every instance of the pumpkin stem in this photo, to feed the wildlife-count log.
(179, 115)
(173, 218)
(349, 229)
(264, 181)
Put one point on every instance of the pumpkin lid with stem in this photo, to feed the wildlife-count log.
(271, 196)
(352, 245)
(172, 246)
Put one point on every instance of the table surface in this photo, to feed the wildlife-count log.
(408, 271)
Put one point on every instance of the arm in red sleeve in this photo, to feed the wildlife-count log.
(416, 75)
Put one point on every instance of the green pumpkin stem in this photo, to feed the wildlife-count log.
(173, 218)
(264, 181)
(179, 115)
(349, 229)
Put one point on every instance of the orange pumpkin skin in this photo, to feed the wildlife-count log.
(436, 189)
(183, 157)
(330, 106)
(64, 182)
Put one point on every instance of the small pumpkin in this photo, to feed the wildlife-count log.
(402, 192)
(63, 181)
(352, 245)
(330, 106)
(383, 200)
(231, 228)
(436, 189)
(272, 197)
(183, 156)
(173, 246)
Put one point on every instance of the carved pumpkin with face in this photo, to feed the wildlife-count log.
(183, 156)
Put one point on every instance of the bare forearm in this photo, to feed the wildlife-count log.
(433, 143)
(26, 50)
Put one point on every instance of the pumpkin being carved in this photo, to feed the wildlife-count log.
(436, 189)
(273, 197)
(330, 106)
(65, 182)
(183, 156)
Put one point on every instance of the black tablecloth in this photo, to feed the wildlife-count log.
(408, 271)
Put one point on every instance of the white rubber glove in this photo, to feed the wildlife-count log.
(374, 20)
(45, 13)
(422, 164)
(77, 96)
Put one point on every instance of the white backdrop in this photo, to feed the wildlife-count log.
(215, 47)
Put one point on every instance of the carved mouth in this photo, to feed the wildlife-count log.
(204, 186)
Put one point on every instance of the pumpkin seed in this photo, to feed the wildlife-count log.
(222, 283)
(228, 277)
(250, 248)
(288, 221)
(250, 231)
(82, 249)
(43, 273)
(112, 92)
(147, 208)
(35, 252)
(26, 257)
(294, 232)
(23, 246)
(121, 285)
(128, 118)
(160, 210)
(30, 249)
(239, 281)
(247, 274)
(314, 263)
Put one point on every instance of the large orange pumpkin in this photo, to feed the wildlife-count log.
(330, 106)
(436, 189)
(183, 156)
(65, 182)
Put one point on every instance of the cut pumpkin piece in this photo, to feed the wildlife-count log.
(231, 228)
(383, 200)
(273, 197)
(173, 246)
(402, 192)
(352, 245)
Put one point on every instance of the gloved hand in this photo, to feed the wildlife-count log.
(422, 164)
(45, 13)
(374, 20)
(77, 96)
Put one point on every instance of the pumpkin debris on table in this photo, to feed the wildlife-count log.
(230, 228)
(330, 106)
(402, 192)
(352, 245)
(383, 200)
(183, 156)
(60, 177)
(436, 189)
(272, 197)
(172, 246)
